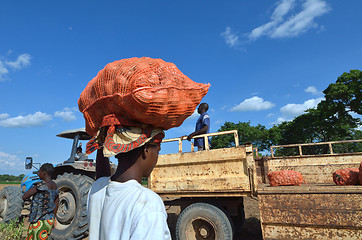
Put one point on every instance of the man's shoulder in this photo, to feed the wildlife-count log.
(100, 183)
(205, 116)
(148, 193)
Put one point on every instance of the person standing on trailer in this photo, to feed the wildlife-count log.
(202, 126)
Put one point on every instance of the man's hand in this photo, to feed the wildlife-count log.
(190, 136)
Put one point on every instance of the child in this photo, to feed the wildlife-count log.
(44, 205)
(119, 207)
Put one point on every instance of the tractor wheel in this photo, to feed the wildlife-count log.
(11, 204)
(72, 211)
(203, 221)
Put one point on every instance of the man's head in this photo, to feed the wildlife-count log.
(203, 107)
(144, 158)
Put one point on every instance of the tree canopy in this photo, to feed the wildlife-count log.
(331, 120)
(11, 178)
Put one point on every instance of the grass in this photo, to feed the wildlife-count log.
(12, 231)
(5, 182)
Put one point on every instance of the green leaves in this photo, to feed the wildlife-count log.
(330, 121)
(257, 135)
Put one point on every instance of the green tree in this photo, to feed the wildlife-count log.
(257, 135)
(330, 121)
(21, 176)
(345, 95)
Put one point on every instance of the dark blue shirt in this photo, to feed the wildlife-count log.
(43, 204)
(203, 120)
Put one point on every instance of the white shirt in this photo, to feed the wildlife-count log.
(125, 211)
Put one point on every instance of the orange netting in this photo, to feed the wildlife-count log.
(360, 174)
(142, 90)
(285, 178)
(347, 176)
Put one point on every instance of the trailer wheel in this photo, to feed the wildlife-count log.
(72, 211)
(203, 221)
(11, 204)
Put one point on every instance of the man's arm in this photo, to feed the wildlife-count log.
(103, 167)
(199, 132)
(30, 193)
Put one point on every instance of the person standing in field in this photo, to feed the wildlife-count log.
(44, 205)
(202, 126)
(119, 207)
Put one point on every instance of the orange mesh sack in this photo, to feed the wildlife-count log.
(285, 178)
(141, 90)
(360, 174)
(347, 176)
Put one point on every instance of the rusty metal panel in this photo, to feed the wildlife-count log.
(310, 232)
(311, 212)
(317, 168)
(217, 172)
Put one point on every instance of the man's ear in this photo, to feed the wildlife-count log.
(145, 152)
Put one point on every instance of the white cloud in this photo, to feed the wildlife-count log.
(3, 71)
(4, 115)
(193, 116)
(22, 61)
(253, 104)
(36, 119)
(312, 90)
(293, 110)
(67, 114)
(9, 162)
(285, 23)
(282, 119)
(230, 38)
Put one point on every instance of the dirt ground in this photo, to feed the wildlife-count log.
(251, 229)
(4, 185)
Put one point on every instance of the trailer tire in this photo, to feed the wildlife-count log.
(203, 221)
(11, 204)
(72, 211)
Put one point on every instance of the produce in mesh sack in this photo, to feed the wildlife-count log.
(285, 178)
(360, 174)
(347, 176)
(140, 90)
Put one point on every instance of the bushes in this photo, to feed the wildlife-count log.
(12, 231)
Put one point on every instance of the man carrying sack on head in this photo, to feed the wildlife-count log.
(126, 108)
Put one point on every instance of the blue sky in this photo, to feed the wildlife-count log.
(266, 61)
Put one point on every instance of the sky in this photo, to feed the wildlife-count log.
(266, 61)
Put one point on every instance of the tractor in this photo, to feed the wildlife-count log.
(74, 179)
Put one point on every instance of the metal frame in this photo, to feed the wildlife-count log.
(311, 144)
(205, 136)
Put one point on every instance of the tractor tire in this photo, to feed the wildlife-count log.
(203, 221)
(72, 211)
(11, 204)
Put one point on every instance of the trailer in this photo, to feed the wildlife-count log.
(207, 189)
(317, 210)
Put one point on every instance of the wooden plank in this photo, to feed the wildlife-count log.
(309, 232)
(215, 171)
(265, 189)
(350, 202)
(296, 215)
